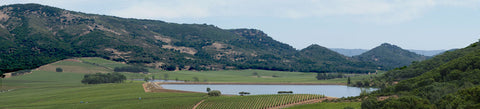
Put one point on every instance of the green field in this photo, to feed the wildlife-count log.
(94, 65)
(45, 88)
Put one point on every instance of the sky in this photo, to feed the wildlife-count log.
(352, 24)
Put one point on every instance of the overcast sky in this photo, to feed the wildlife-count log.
(410, 24)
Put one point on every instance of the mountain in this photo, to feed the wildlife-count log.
(428, 52)
(349, 52)
(33, 35)
(448, 80)
(328, 59)
(355, 52)
(388, 56)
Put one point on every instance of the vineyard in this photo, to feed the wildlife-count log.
(255, 101)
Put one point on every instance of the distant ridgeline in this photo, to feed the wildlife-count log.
(32, 35)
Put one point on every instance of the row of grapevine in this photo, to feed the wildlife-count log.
(255, 101)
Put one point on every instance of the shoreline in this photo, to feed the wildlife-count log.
(246, 83)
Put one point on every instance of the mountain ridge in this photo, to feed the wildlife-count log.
(355, 52)
(34, 35)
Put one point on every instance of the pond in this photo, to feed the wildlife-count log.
(327, 90)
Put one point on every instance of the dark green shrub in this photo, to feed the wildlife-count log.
(59, 69)
(103, 78)
(214, 93)
(285, 92)
(243, 93)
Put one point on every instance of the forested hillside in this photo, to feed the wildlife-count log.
(315, 55)
(449, 80)
(388, 56)
(33, 35)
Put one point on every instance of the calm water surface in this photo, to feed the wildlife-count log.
(327, 90)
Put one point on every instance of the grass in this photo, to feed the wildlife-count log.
(75, 67)
(103, 62)
(328, 105)
(95, 65)
(43, 89)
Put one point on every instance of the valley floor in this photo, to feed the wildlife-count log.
(46, 88)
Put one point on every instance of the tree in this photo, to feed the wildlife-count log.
(214, 93)
(348, 80)
(59, 69)
(195, 79)
(1, 75)
(103, 78)
(208, 89)
(243, 93)
(320, 76)
(146, 79)
(132, 69)
(165, 76)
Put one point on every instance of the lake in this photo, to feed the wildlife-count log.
(327, 90)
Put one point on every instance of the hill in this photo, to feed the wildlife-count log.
(33, 35)
(428, 52)
(355, 52)
(331, 60)
(389, 56)
(449, 80)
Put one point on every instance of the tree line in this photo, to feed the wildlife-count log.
(99, 78)
(133, 69)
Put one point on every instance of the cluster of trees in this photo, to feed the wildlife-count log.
(99, 78)
(214, 93)
(325, 76)
(133, 69)
(243, 93)
(21, 72)
(285, 92)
